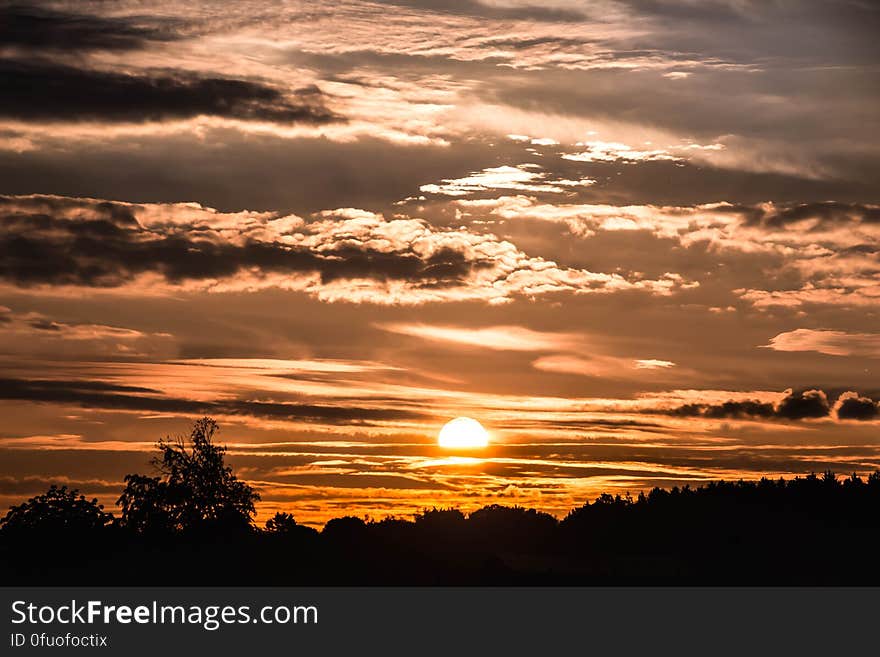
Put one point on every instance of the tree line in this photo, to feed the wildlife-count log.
(192, 522)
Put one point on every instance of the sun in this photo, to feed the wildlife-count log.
(463, 432)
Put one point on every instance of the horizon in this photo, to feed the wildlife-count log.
(262, 521)
(639, 243)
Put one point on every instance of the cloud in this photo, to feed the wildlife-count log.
(36, 334)
(42, 28)
(813, 217)
(824, 341)
(281, 366)
(812, 253)
(697, 12)
(494, 10)
(597, 365)
(37, 91)
(501, 338)
(791, 229)
(505, 53)
(580, 358)
(852, 406)
(728, 409)
(36, 484)
(653, 364)
(600, 151)
(570, 364)
(342, 255)
(794, 405)
(77, 331)
(808, 404)
(524, 178)
(858, 293)
(108, 396)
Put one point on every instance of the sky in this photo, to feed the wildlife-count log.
(637, 240)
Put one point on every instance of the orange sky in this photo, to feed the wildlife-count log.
(637, 241)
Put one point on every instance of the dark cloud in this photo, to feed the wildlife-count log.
(584, 425)
(100, 395)
(42, 28)
(229, 170)
(796, 405)
(804, 30)
(40, 91)
(826, 212)
(109, 248)
(852, 406)
(45, 325)
(520, 43)
(50, 387)
(802, 405)
(700, 11)
(687, 107)
(838, 13)
(729, 409)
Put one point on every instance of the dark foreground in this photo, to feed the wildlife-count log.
(806, 531)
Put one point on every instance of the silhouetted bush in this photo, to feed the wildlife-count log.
(58, 513)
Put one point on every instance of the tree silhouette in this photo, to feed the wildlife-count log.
(281, 523)
(348, 530)
(59, 510)
(514, 526)
(818, 529)
(440, 520)
(195, 489)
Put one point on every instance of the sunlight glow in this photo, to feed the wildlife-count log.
(463, 432)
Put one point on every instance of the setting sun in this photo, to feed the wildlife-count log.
(463, 432)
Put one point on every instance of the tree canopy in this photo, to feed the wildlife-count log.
(195, 489)
(58, 510)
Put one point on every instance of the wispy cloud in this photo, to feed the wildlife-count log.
(600, 151)
(653, 364)
(522, 178)
(825, 341)
(501, 338)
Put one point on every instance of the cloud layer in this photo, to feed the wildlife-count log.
(54, 92)
(343, 255)
(794, 405)
(813, 253)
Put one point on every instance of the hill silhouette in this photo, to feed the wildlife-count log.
(193, 525)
